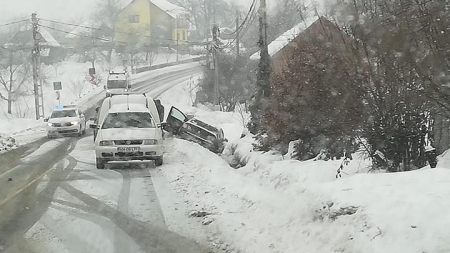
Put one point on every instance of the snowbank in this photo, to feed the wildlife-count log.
(7, 143)
(307, 209)
(274, 204)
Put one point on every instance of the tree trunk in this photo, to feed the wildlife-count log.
(10, 91)
(9, 103)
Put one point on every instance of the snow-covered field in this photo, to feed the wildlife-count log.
(273, 204)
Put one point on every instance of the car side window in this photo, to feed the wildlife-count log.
(178, 115)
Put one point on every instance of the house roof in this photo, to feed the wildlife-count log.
(169, 8)
(282, 41)
(24, 37)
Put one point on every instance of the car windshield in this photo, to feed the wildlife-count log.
(128, 120)
(64, 114)
(116, 84)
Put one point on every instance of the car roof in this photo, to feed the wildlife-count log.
(129, 98)
(203, 125)
(66, 109)
(121, 77)
(131, 107)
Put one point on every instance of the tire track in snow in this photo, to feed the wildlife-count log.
(22, 212)
(120, 243)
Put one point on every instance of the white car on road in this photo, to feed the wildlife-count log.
(129, 130)
(117, 83)
(66, 120)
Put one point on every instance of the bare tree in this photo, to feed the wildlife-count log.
(77, 87)
(15, 78)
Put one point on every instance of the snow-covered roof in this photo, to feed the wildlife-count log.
(84, 30)
(50, 40)
(282, 41)
(169, 8)
(24, 37)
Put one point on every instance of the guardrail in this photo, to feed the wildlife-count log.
(159, 66)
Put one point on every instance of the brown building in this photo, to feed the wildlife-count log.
(311, 30)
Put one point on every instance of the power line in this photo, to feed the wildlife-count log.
(15, 22)
(231, 44)
(245, 19)
(99, 29)
(69, 24)
(76, 34)
(108, 40)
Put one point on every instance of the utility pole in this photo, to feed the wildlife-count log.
(238, 39)
(264, 64)
(215, 46)
(178, 36)
(36, 61)
(263, 77)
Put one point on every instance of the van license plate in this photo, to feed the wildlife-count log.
(128, 149)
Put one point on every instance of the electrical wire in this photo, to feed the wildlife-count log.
(126, 33)
(232, 44)
(245, 19)
(15, 22)
(76, 34)
(108, 40)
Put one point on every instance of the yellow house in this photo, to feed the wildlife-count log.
(151, 23)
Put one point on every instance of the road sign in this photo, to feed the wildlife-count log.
(91, 71)
(57, 86)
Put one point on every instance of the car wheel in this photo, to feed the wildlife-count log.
(159, 161)
(49, 136)
(100, 163)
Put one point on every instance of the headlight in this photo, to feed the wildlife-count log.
(150, 142)
(50, 124)
(106, 143)
(73, 123)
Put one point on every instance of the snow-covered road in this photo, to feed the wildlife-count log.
(53, 199)
(76, 208)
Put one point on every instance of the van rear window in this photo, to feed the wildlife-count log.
(129, 120)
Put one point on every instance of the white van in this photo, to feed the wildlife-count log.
(117, 83)
(128, 130)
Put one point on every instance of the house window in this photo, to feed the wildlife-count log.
(133, 18)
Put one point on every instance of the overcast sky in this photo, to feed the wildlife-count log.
(63, 10)
(50, 9)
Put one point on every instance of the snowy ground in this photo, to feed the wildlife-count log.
(270, 204)
(76, 90)
(273, 204)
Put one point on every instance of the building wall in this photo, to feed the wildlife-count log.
(128, 31)
(321, 31)
(155, 26)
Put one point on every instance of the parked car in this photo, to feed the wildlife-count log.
(195, 130)
(66, 120)
(128, 130)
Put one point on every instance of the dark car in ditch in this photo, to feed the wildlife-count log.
(195, 130)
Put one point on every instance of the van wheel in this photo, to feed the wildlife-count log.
(100, 163)
(159, 161)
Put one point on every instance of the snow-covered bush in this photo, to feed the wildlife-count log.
(316, 99)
